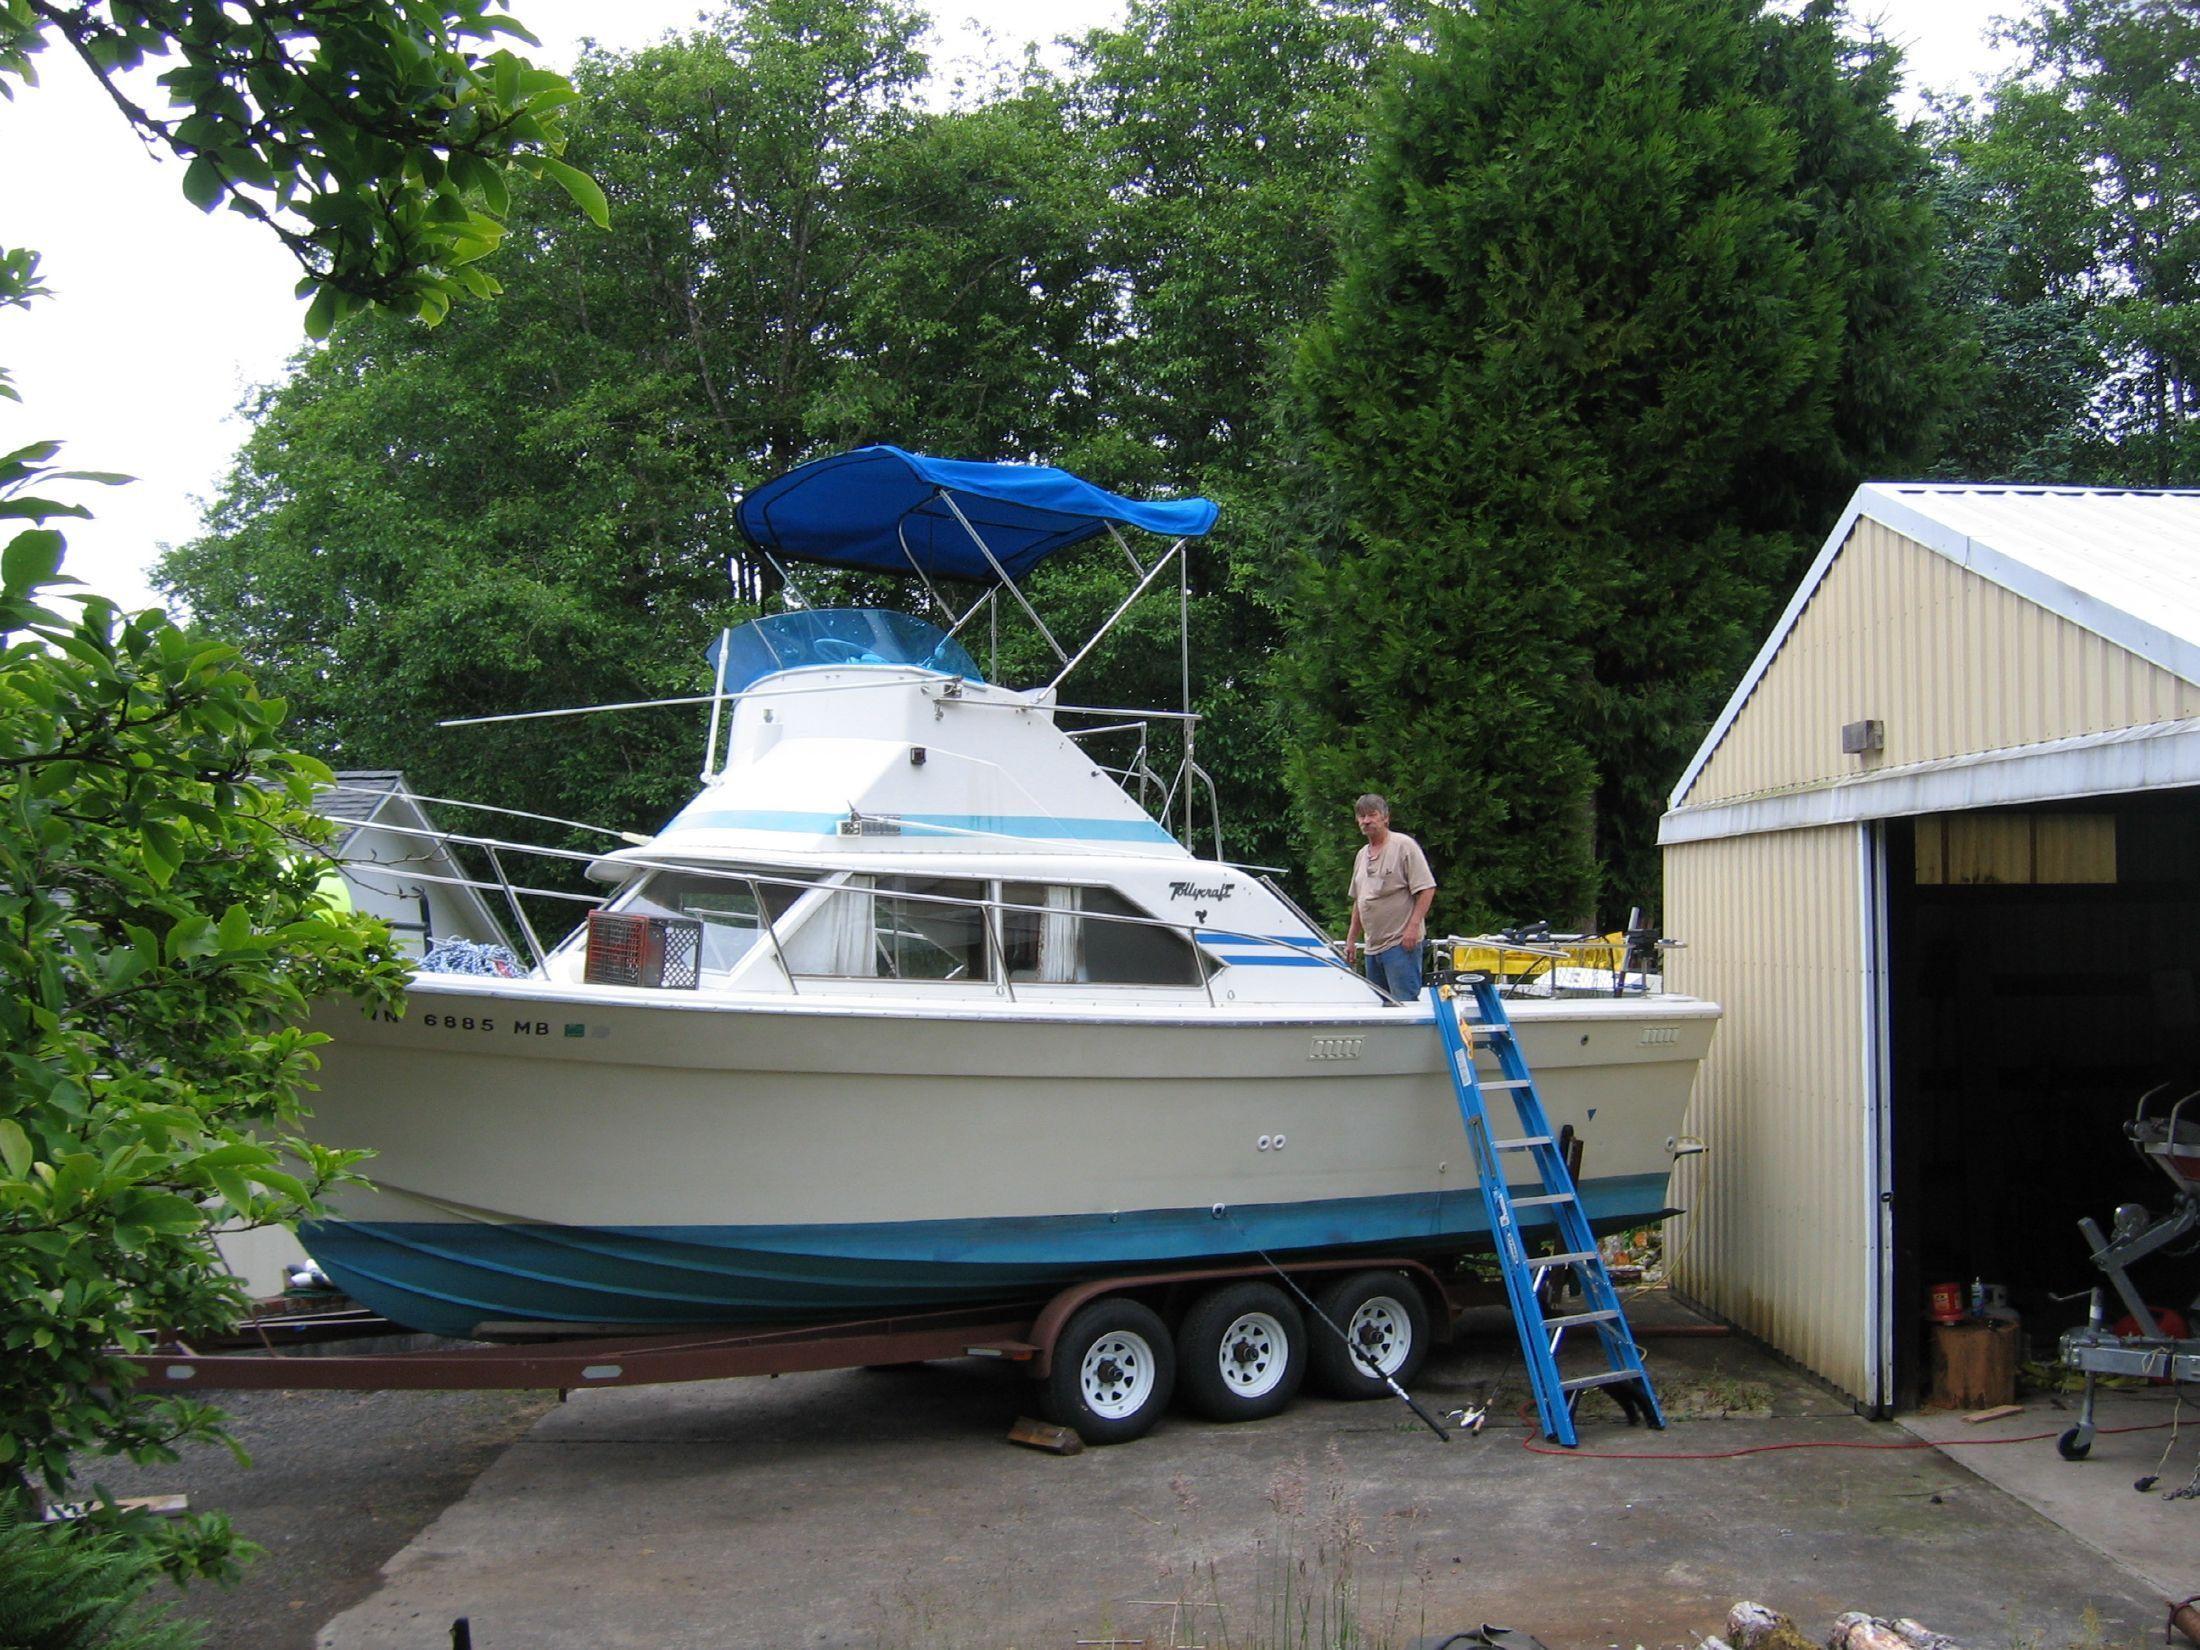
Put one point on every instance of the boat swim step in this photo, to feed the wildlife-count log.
(1609, 1377)
(1522, 1144)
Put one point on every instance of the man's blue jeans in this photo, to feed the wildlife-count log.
(1397, 971)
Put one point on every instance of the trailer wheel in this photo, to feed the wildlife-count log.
(1113, 1372)
(1383, 1316)
(1243, 1348)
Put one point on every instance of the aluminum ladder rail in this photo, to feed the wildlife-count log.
(1541, 1332)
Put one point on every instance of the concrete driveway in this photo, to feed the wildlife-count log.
(885, 1509)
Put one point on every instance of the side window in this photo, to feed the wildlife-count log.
(1125, 953)
(1061, 936)
(896, 928)
(920, 938)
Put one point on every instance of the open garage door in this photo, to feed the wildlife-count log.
(2043, 971)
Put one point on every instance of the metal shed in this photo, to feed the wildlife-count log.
(398, 870)
(1939, 858)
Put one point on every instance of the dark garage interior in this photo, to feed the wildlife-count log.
(2043, 974)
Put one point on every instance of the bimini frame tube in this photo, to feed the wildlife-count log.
(1000, 572)
(1137, 591)
(717, 706)
(1191, 725)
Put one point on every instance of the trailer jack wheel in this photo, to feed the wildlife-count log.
(2076, 1444)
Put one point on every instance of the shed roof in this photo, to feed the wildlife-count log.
(358, 793)
(2123, 563)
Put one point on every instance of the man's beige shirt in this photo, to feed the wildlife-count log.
(1384, 881)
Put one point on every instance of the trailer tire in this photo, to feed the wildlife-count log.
(1380, 1312)
(1113, 1371)
(1242, 1348)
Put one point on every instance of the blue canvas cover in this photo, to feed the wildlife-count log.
(859, 509)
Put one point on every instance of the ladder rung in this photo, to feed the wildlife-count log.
(1522, 1144)
(1507, 1083)
(1573, 1258)
(1611, 1377)
(1607, 1315)
(1541, 1199)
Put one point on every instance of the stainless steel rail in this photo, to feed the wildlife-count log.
(991, 909)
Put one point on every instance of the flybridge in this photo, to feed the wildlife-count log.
(881, 509)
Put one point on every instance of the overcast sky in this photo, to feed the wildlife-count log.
(163, 318)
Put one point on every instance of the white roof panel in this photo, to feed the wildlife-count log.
(2123, 563)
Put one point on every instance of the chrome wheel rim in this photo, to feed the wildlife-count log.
(1255, 1352)
(1380, 1331)
(1117, 1375)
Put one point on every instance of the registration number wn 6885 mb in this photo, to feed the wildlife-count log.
(489, 1022)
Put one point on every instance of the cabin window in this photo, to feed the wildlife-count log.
(920, 938)
(897, 928)
(1062, 935)
(725, 904)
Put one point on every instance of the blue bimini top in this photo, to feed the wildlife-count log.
(885, 509)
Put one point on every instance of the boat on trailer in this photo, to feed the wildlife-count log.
(917, 1005)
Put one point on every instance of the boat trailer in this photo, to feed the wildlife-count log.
(2171, 1142)
(1031, 1335)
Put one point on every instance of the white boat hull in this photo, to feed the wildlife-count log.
(548, 1154)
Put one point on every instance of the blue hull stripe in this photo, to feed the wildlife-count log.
(1031, 827)
(1281, 951)
(446, 1277)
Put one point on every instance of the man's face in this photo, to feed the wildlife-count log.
(1373, 826)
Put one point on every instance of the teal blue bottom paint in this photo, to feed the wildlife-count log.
(446, 1278)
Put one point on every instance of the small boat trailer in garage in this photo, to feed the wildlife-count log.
(2171, 1142)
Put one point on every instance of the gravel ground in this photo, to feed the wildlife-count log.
(340, 1482)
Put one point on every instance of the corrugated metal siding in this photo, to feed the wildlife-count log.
(2131, 552)
(1776, 1237)
(1951, 663)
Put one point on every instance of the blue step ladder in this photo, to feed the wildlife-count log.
(1542, 1332)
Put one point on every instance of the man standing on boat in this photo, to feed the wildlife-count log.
(1391, 890)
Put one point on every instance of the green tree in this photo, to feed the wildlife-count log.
(160, 927)
(2075, 197)
(1620, 318)
(162, 933)
(529, 507)
(2031, 409)
(1227, 131)
(374, 140)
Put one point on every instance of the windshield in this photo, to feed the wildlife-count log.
(724, 905)
(840, 636)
